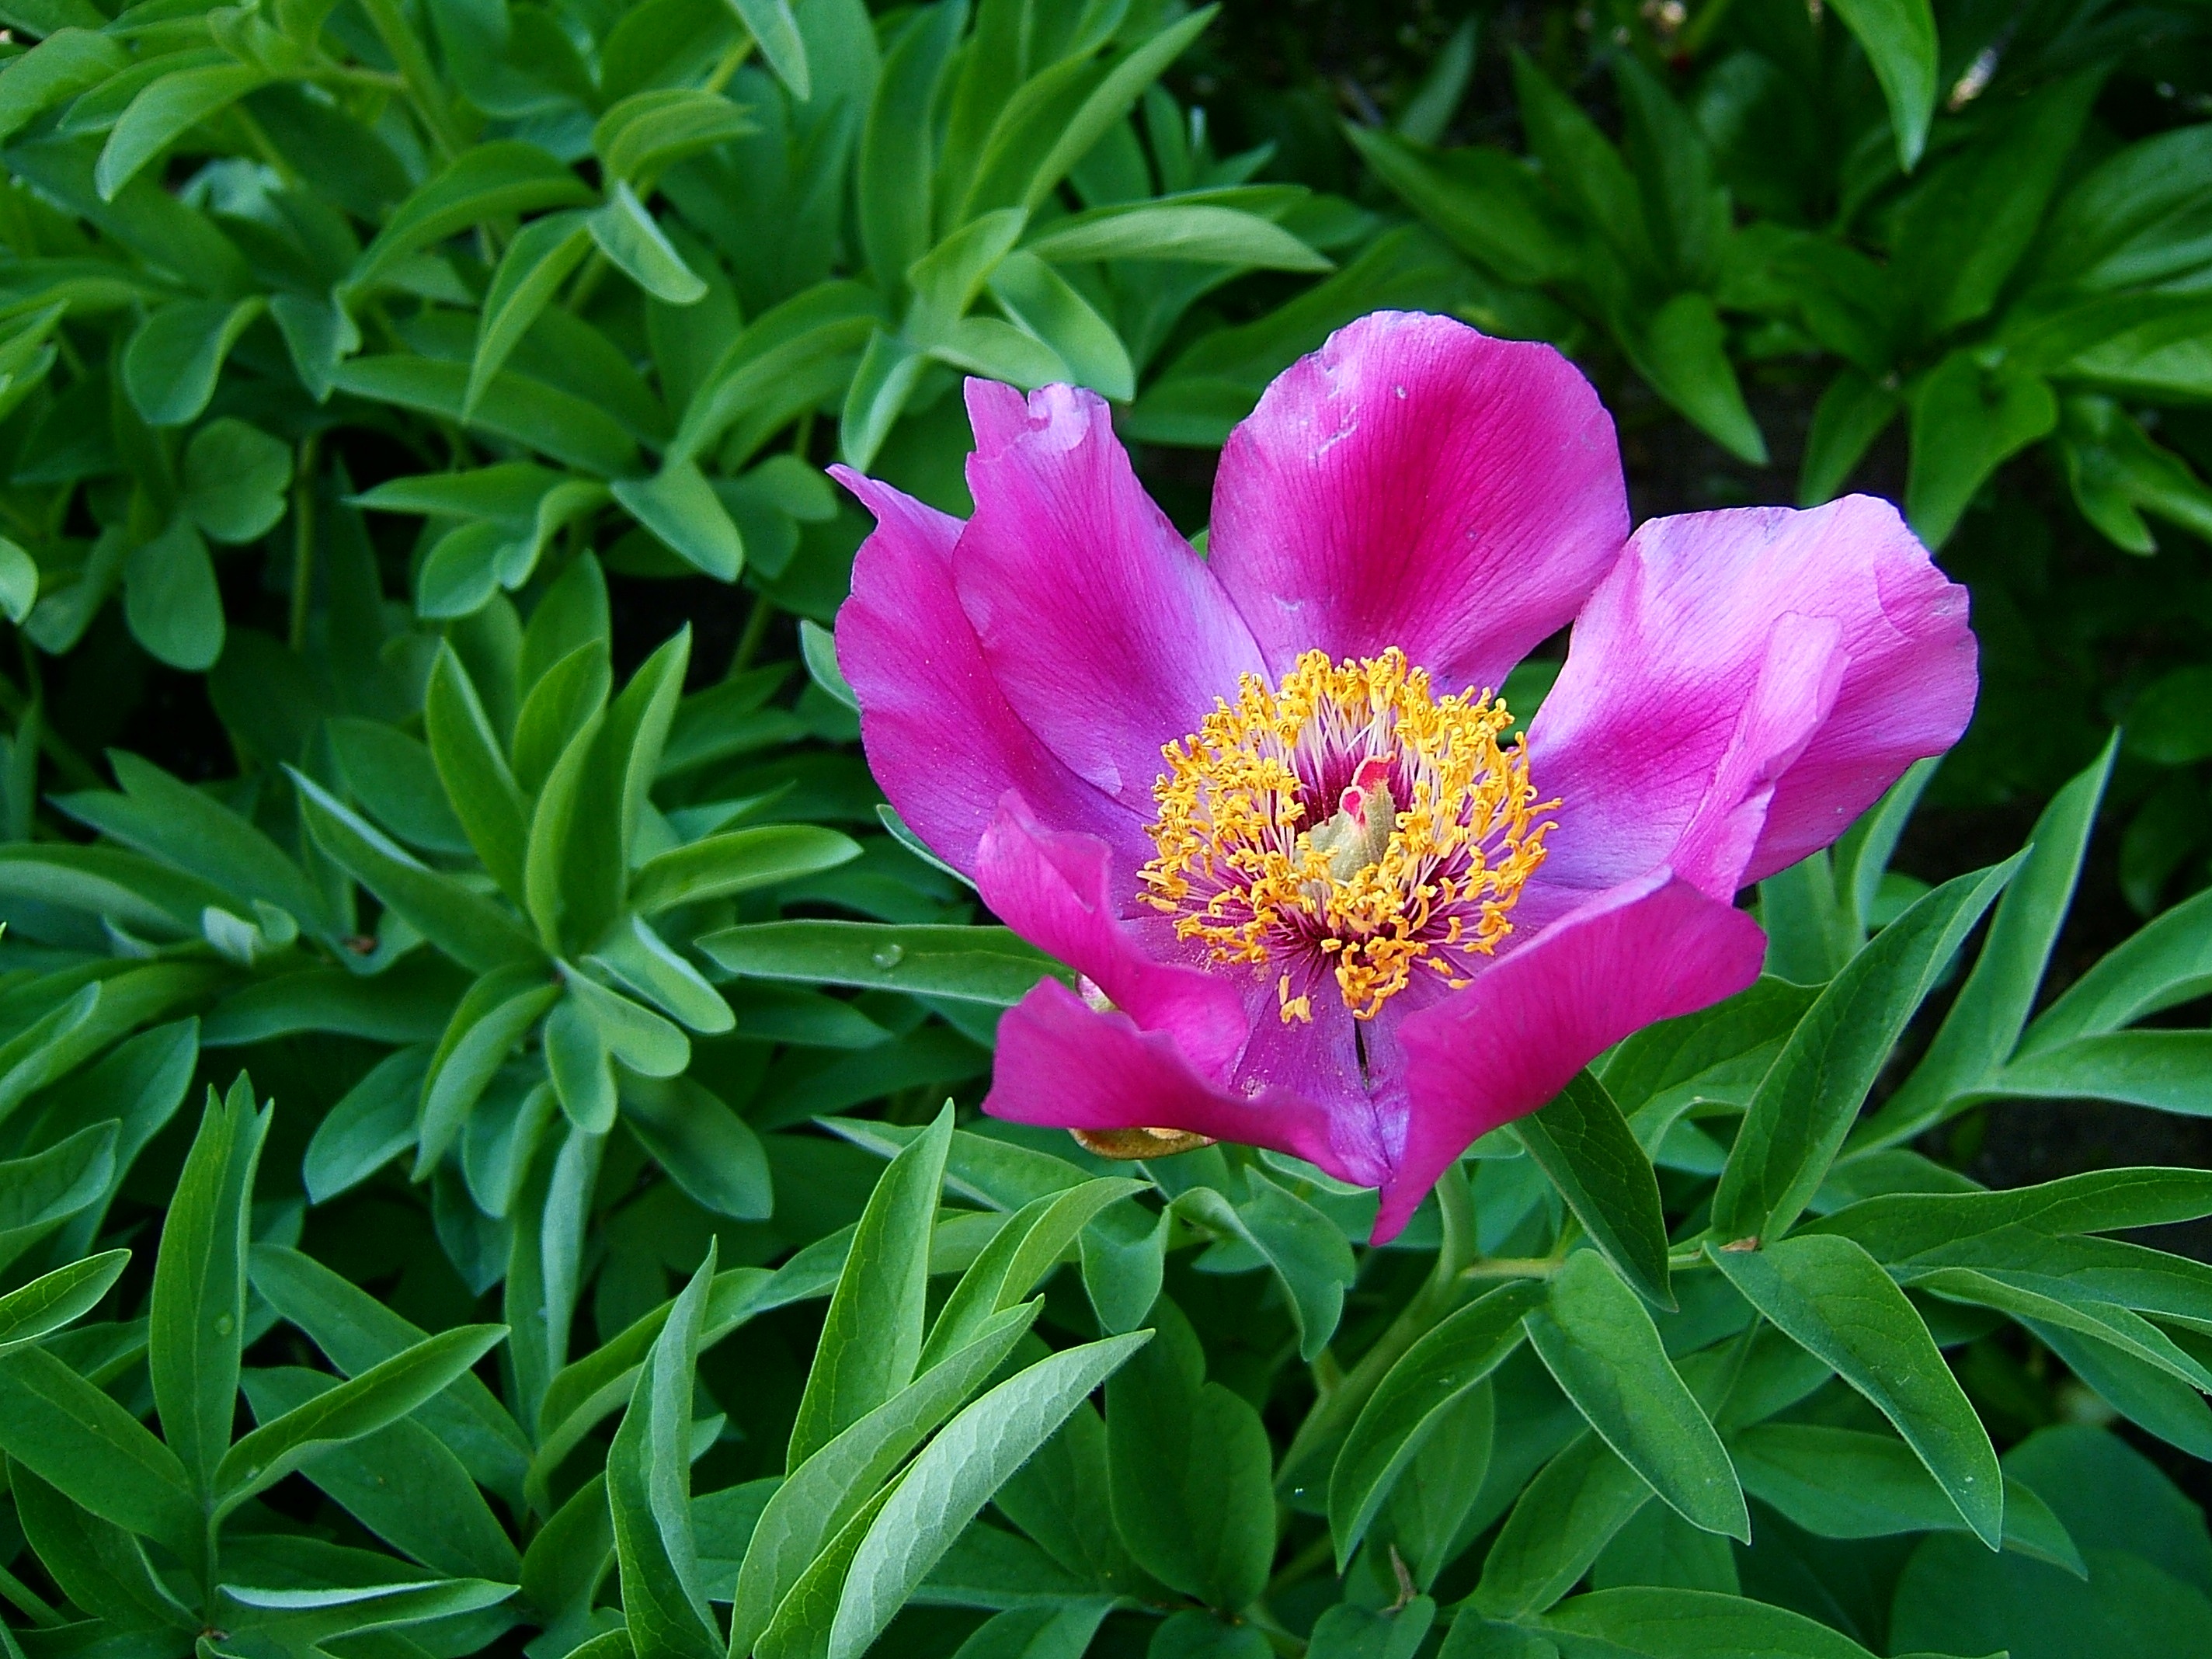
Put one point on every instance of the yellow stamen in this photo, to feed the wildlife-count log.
(1376, 889)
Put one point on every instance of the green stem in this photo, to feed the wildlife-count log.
(731, 62)
(1302, 1565)
(1333, 1413)
(422, 80)
(588, 283)
(303, 542)
(78, 770)
(259, 138)
(28, 1601)
(1511, 1266)
(1261, 1619)
(755, 635)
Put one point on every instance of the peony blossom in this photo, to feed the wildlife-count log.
(1266, 800)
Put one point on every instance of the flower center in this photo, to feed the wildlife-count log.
(1350, 822)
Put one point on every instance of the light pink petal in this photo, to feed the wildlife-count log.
(1056, 889)
(941, 737)
(1109, 634)
(1740, 688)
(1060, 1063)
(1649, 950)
(1416, 484)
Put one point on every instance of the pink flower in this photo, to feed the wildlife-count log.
(1262, 800)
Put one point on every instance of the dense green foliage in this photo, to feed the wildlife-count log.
(473, 1169)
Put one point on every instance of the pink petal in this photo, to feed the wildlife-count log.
(1056, 889)
(1060, 1063)
(940, 738)
(1650, 949)
(1740, 688)
(1416, 484)
(1109, 634)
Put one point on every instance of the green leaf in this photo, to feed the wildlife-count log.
(782, 46)
(1488, 204)
(615, 774)
(679, 505)
(1044, 1631)
(823, 1494)
(1583, 1143)
(372, 1123)
(1851, 414)
(2166, 963)
(1600, 1345)
(298, 1619)
(786, 346)
(1959, 235)
(98, 1564)
(890, 369)
(637, 246)
(397, 780)
(1899, 39)
(1687, 1624)
(1020, 1257)
(640, 961)
(582, 1071)
(893, 172)
(1846, 1483)
(507, 176)
(648, 132)
(1682, 350)
(19, 581)
(1189, 1461)
(988, 965)
(1833, 1298)
(483, 792)
(55, 1299)
(649, 1493)
(1966, 421)
(2148, 1395)
(163, 112)
(1201, 233)
(707, 1149)
(380, 1396)
(171, 600)
(635, 1035)
(1304, 1247)
(68, 61)
(39, 1192)
(357, 1331)
(1413, 1400)
(399, 1482)
(562, 699)
(1044, 305)
(535, 262)
(234, 479)
(2055, 1303)
(1561, 1523)
(819, 647)
(170, 366)
(955, 1476)
(1984, 1021)
(186, 827)
(76, 1438)
(1038, 137)
(197, 1318)
(557, 422)
(469, 927)
(871, 1336)
(1807, 1102)
(1901, 1227)
(487, 1024)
